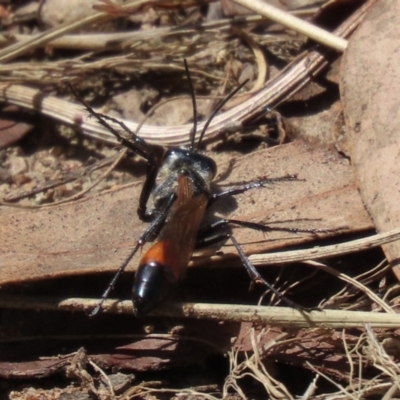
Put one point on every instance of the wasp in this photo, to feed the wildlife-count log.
(182, 193)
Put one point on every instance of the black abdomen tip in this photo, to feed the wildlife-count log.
(150, 288)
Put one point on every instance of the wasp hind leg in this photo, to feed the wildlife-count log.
(221, 230)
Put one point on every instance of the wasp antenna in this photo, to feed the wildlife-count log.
(194, 129)
(218, 108)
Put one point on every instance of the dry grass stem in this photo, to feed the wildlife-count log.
(148, 392)
(290, 21)
(278, 316)
(30, 44)
(106, 378)
(315, 253)
(253, 367)
(345, 297)
(76, 196)
(376, 352)
(102, 41)
(355, 283)
(369, 351)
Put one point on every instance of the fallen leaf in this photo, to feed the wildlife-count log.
(370, 87)
(97, 233)
(11, 130)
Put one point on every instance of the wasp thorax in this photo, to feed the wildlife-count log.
(199, 168)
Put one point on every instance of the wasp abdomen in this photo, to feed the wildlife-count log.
(159, 270)
(151, 287)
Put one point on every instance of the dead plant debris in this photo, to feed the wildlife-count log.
(69, 196)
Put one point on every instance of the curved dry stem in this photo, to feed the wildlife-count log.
(355, 283)
(288, 82)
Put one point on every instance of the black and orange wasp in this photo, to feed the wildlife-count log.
(182, 193)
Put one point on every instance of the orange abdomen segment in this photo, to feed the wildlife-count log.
(165, 253)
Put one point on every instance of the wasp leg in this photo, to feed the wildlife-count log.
(244, 187)
(220, 231)
(258, 279)
(138, 146)
(152, 230)
(268, 228)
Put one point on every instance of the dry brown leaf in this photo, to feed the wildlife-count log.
(96, 233)
(11, 130)
(370, 87)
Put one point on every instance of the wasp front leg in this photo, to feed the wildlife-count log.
(134, 143)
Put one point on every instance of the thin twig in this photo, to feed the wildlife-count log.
(101, 41)
(30, 44)
(105, 376)
(315, 253)
(290, 21)
(353, 282)
(277, 316)
(75, 196)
